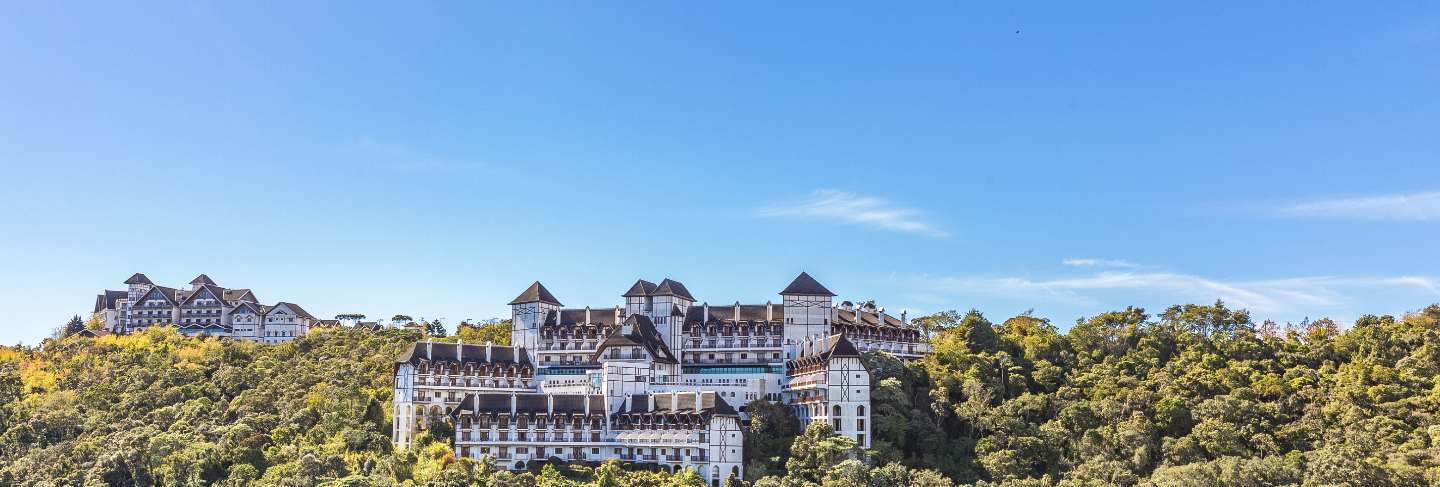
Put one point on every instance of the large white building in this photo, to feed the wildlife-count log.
(659, 379)
(204, 309)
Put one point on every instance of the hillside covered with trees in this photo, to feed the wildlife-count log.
(1196, 395)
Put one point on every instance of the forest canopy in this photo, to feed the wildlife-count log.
(1195, 395)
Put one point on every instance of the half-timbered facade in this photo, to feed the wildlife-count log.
(658, 379)
(205, 309)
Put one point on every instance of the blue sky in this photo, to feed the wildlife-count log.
(435, 160)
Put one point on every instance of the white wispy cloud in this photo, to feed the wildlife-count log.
(1113, 263)
(1397, 207)
(856, 209)
(1288, 295)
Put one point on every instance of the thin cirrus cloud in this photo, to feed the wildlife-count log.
(1393, 207)
(857, 209)
(1285, 296)
(1111, 263)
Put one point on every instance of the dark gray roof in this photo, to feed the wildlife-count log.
(805, 285)
(834, 346)
(138, 278)
(641, 288)
(710, 404)
(531, 403)
(528, 402)
(748, 312)
(93, 332)
(670, 287)
(107, 300)
(856, 317)
(465, 353)
(839, 346)
(202, 279)
(572, 316)
(536, 292)
(643, 334)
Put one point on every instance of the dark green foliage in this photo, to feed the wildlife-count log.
(1197, 396)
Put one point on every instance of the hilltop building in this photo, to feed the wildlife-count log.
(661, 379)
(204, 309)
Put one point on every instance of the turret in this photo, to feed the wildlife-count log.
(528, 312)
(808, 306)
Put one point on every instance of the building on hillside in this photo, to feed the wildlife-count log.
(204, 309)
(661, 379)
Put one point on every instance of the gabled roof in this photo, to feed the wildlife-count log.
(830, 347)
(804, 285)
(248, 306)
(641, 289)
(215, 292)
(295, 308)
(839, 346)
(643, 334)
(93, 332)
(536, 292)
(138, 278)
(165, 292)
(107, 300)
(240, 295)
(669, 287)
(202, 279)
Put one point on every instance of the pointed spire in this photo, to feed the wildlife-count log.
(804, 285)
(536, 293)
(138, 278)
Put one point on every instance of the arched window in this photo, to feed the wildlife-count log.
(837, 411)
(860, 411)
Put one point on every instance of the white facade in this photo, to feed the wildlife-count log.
(657, 380)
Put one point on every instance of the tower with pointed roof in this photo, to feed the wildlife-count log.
(528, 313)
(808, 307)
(669, 301)
(138, 285)
(201, 280)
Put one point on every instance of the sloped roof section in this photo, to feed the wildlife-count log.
(107, 300)
(641, 289)
(804, 285)
(240, 295)
(216, 292)
(748, 312)
(203, 279)
(138, 278)
(643, 334)
(670, 287)
(165, 292)
(293, 307)
(465, 353)
(536, 293)
(841, 347)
